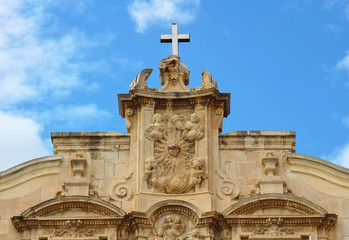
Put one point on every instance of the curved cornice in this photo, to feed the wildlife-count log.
(319, 168)
(169, 205)
(29, 170)
(272, 201)
(67, 203)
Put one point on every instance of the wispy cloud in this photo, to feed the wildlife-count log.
(71, 116)
(333, 28)
(20, 139)
(344, 63)
(153, 12)
(345, 121)
(340, 156)
(342, 4)
(41, 64)
(31, 66)
(343, 66)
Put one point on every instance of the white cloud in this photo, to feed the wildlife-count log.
(73, 116)
(341, 4)
(150, 12)
(340, 156)
(33, 66)
(344, 63)
(19, 140)
(37, 70)
(341, 67)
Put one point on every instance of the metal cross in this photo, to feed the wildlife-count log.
(174, 38)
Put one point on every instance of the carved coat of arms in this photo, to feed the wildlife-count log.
(174, 168)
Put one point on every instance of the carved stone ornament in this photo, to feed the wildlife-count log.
(174, 168)
(228, 188)
(140, 81)
(78, 167)
(174, 75)
(270, 164)
(273, 228)
(174, 227)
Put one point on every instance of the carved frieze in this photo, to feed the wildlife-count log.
(273, 228)
(174, 167)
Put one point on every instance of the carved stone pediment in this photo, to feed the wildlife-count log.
(174, 167)
(69, 213)
(277, 216)
(274, 203)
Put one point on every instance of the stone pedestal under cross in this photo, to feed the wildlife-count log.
(175, 38)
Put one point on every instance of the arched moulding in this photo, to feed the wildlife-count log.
(173, 206)
(294, 204)
(121, 192)
(229, 188)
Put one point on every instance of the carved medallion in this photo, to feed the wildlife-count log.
(174, 168)
(174, 227)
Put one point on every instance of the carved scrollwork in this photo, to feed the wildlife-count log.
(140, 81)
(62, 192)
(228, 188)
(128, 114)
(174, 168)
(208, 81)
(93, 190)
(220, 114)
(121, 191)
(74, 233)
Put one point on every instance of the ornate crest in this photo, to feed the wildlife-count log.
(174, 168)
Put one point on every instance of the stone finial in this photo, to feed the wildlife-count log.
(78, 166)
(270, 162)
(208, 81)
(174, 75)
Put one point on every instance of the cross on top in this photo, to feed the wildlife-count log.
(174, 38)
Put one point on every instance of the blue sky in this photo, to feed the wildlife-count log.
(285, 63)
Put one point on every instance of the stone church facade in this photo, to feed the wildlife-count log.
(174, 176)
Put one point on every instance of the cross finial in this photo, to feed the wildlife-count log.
(174, 38)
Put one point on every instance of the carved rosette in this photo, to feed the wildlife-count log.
(174, 168)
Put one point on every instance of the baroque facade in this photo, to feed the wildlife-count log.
(174, 176)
